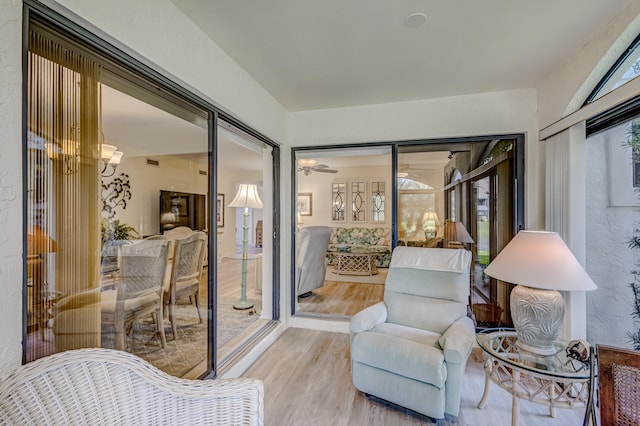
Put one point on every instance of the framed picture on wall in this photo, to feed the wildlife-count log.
(305, 204)
(220, 210)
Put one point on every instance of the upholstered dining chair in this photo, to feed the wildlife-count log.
(411, 349)
(618, 385)
(188, 259)
(138, 292)
(311, 258)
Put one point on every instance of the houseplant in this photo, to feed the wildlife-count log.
(633, 143)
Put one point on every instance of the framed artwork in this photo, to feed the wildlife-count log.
(305, 204)
(220, 210)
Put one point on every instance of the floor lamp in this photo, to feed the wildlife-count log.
(247, 197)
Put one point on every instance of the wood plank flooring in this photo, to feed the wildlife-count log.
(307, 379)
(341, 298)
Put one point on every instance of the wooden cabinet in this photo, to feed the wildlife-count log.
(259, 234)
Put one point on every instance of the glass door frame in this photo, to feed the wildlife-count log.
(123, 61)
(408, 146)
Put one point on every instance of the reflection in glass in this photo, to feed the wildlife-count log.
(358, 196)
(377, 201)
(338, 195)
(483, 240)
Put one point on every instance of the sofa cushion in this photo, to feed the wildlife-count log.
(408, 358)
(358, 239)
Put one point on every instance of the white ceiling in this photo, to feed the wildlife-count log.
(312, 54)
(143, 130)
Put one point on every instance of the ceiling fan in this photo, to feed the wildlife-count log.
(308, 165)
(407, 171)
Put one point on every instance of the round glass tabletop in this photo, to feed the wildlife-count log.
(500, 343)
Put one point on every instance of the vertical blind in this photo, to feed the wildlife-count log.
(63, 217)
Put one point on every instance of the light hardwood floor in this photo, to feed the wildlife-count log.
(341, 298)
(307, 379)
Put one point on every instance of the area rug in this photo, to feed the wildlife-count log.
(190, 347)
(379, 278)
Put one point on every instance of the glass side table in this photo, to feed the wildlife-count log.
(549, 380)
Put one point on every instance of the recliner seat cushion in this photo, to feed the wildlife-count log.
(417, 335)
(400, 356)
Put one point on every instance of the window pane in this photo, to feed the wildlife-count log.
(612, 221)
(110, 178)
(625, 70)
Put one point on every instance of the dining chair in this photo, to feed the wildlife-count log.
(188, 259)
(139, 289)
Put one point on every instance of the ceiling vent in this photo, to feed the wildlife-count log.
(154, 163)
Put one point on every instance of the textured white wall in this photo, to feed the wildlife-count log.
(10, 185)
(609, 228)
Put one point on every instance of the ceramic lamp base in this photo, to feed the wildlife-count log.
(537, 317)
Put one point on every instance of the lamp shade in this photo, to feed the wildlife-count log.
(106, 151)
(247, 196)
(116, 157)
(307, 162)
(430, 217)
(455, 231)
(39, 242)
(167, 217)
(540, 259)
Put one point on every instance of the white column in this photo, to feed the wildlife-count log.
(566, 212)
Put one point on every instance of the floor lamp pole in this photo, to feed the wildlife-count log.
(243, 304)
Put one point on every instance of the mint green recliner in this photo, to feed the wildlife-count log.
(411, 349)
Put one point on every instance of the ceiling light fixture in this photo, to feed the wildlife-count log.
(415, 20)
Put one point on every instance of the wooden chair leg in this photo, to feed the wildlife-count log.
(197, 298)
(172, 318)
(160, 324)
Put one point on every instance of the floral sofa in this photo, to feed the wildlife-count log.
(355, 239)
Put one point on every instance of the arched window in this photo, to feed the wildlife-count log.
(625, 69)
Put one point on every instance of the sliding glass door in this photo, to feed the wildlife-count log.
(244, 216)
(130, 194)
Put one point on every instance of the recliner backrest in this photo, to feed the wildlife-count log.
(427, 288)
(311, 254)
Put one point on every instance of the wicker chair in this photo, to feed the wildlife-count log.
(188, 258)
(139, 292)
(105, 386)
(618, 385)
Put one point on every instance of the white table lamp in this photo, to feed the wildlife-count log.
(429, 224)
(541, 264)
(247, 198)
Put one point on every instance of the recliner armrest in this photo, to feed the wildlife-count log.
(457, 340)
(368, 318)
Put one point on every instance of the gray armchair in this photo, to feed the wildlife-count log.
(411, 349)
(311, 260)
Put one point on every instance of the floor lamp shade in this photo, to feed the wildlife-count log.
(541, 264)
(247, 198)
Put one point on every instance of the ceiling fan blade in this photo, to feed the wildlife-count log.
(325, 170)
(320, 166)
